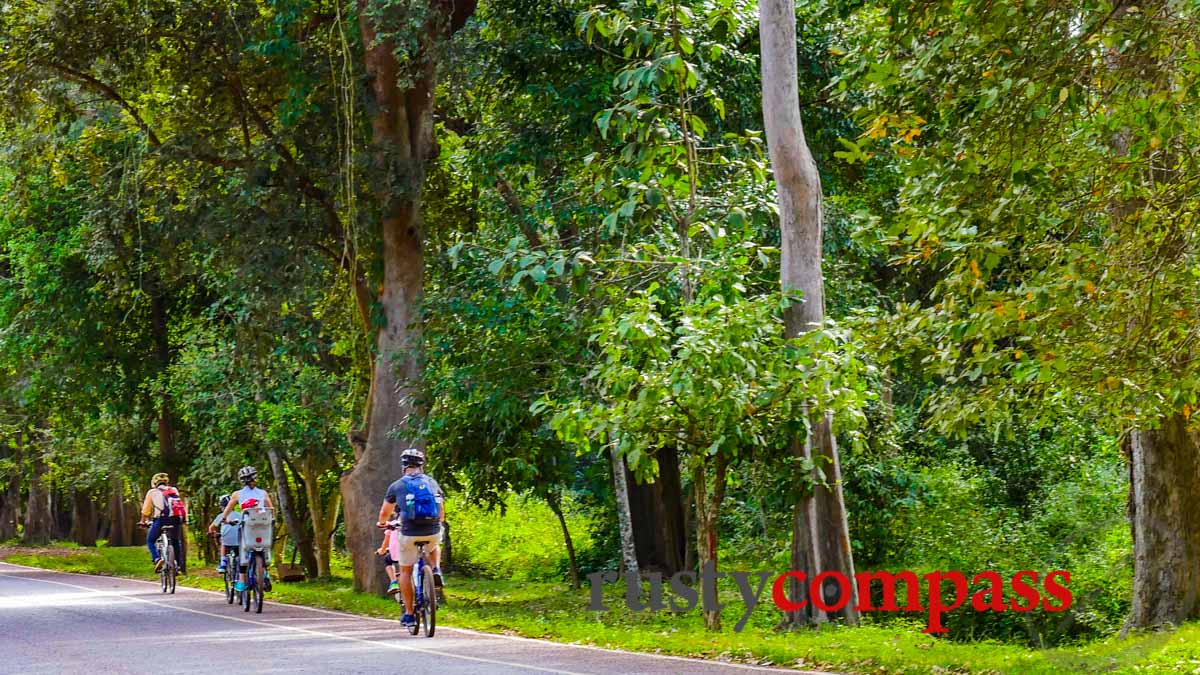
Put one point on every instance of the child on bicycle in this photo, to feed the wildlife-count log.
(229, 532)
(388, 563)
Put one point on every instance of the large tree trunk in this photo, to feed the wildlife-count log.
(1164, 514)
(291, 515)
(84, 523)
(659, 533)
(39, 518)
(402, 133)
(821, 537)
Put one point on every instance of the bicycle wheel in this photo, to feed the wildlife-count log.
(416, 626)
(260, 573)
(162, 574)
(429, 607)
(228, 577)
(171, 569)
(248, 594)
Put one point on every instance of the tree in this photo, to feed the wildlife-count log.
(1046, 184)
(403, 85)
(821, 536)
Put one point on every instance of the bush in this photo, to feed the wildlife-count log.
(1076, 525)
(524, 543)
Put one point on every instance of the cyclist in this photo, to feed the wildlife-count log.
(229, 532)
(420, 503)
(385, 551)
(248, 497)
(163, 506)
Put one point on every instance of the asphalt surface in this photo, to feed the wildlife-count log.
(55, 622)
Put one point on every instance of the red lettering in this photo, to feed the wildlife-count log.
(888, 580)
(780, 596)
(995, 592)
(936, 608)
(816, 591)
(1025, 591)
(1057, 591)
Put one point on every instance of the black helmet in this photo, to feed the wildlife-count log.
(224, 501)
(412, 457)
(247, 474)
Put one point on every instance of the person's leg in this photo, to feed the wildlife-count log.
(152, 538)
(243, 566)
(406, 588)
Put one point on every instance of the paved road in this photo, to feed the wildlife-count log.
(54, 622)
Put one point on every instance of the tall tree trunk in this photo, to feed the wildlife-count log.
(8, 509)
(165, 425)
(402, 134)
(84, 522)
(39, 518)
(708, 511)
(821, 536)
(660, 535)
(1164, 514)
(624, 516)
(554, 500)
(120, 529)
(10, 498)
(323, 518)
(291, 516)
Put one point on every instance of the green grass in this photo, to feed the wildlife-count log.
(553, 611)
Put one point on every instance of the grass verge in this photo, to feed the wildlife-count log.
(552, 611)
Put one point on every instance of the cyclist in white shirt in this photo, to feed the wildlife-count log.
(248, 497)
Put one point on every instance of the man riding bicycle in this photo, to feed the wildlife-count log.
(420, 504)
(162, 507)
(250, 496)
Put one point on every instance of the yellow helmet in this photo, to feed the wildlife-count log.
(159, 479)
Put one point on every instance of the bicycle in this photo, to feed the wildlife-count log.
(255, 537)
(230, 575)
(425, 596)
(166, 553)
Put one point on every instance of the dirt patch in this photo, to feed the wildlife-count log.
(7, 551)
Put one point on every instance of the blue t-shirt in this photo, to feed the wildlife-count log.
(229, 533)
(396, 495)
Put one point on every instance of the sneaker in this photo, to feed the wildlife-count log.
(158, 565)
(408, 620)
(393, 588)
(437, 578)
(240, 587)
(222, 567)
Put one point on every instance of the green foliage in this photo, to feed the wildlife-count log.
(719, 379)
(1077, 524)
(522, 541)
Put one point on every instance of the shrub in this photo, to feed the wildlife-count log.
(522, 540)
